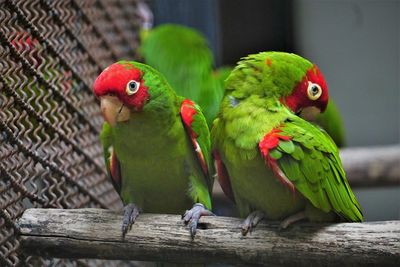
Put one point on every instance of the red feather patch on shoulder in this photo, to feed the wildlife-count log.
(188, 111)
(271, 141)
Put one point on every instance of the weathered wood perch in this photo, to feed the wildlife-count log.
(95, 233)
(372, 166)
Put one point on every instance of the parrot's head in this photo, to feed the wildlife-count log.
(294, 80)
(121, 90)
(309, 96)
(299, 84)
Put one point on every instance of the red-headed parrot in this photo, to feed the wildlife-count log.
(156, 144)
(270, 160)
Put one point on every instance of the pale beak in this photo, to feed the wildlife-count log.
(310, 113)
(113, 110)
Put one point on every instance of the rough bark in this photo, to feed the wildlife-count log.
(96, 233)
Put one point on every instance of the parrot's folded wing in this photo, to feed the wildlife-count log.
(305, 156)
(197, 129)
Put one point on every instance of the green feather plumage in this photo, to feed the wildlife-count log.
(250, 109)
(314, 180)
(159, 168)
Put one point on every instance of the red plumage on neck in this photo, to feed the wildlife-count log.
(113, 81)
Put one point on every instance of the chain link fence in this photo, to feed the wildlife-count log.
(50, 155)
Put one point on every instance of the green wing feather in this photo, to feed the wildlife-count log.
(310, 160)
(200, 129)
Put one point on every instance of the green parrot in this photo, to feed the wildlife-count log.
(183, 56)
(270, 161)
(156, 144)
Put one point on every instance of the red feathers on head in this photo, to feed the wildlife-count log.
(299, 99)
(114, 79)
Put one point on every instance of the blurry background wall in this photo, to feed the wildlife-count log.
(355, 43)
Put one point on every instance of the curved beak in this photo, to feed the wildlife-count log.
(310, 113)
(113, 110)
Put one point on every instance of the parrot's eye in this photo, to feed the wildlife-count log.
(314, 91)
(132, 87)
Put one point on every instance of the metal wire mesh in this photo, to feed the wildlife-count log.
(50, 156)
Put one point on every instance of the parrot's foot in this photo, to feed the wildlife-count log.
(131, 212)
(251, 221)
(292, 219)
(193, 215)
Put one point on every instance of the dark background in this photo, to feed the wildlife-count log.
(234, 28)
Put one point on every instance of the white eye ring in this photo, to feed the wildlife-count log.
(132, 87)
(314, 91)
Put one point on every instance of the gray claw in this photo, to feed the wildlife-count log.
(193, 215)
(131, 212)
(251, 221)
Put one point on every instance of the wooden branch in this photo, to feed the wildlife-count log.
(95, 233)
(372, 166)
